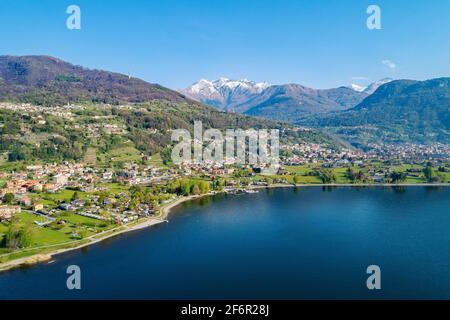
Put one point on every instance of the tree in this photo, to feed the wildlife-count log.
(185, 188)
(326, 175)
(8, 198)
(204, 187)
(218, 183)
(350, 174)
(133, 204)
(428, 172)
(12, 239)
(26, 236)
(195, 190)
(297, 179)
(19, 237)
(397, 177)
(75, 196)
(17, 154)
(355, 176)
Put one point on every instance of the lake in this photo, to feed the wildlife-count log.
(287, 243)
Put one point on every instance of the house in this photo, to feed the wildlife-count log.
(282, 172)
(37, 187)
(50, 187)
(378, 178)
(6, 212)
(29, 185)
(61, 179)
(108, 175)
(109, 201)
(78, 203)
(26, 201)
(38, 207)
(65, 207)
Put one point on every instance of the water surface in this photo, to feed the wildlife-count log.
(304, 243)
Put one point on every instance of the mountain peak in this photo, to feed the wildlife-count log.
(224, 93)
(357, 87)
(371, 88)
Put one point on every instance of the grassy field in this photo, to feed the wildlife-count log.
(6, 166)
(30, 252)
(77, 219)
(63, 196)
(156, 161)
(340, 173)
(42, 236)
(90, 156)
(123, 154)
(50, 235)
(114, 188)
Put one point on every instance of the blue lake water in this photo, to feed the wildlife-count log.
(303, 243)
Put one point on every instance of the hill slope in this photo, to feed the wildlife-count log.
(109, 112)
(400, 111)
(292, 102)
(49, 81)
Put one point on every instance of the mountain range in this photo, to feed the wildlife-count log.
(393, 111)
(143, 113)
(399, 111)
(289, 102)
(385, 111)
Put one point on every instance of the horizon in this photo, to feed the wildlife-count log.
(228, 78)
(176, 44)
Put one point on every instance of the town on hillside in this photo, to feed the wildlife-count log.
(47, 204)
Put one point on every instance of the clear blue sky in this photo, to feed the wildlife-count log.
(318, 43)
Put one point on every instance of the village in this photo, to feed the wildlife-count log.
(103, 194)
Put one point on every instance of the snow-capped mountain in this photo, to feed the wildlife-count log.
(371, 88)
(288, 102)
(374, 86)
(225, 93)
(357, 87)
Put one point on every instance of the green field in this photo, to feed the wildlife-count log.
(125, 154)
(340, 173)
(156, 161)
(45, 236)
(42, 236)
(90, 157)
(113, 188)
(63, 196)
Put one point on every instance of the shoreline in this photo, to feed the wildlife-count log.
(165, 212)
(147, 223)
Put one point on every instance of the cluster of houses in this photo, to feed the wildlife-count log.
(410, 152)
(52, 178)
(7, 212)
(315, 153)
(20, 184)
(95, 129)
(25, 108)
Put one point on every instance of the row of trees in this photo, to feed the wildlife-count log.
(188, 187)
(356, 176)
